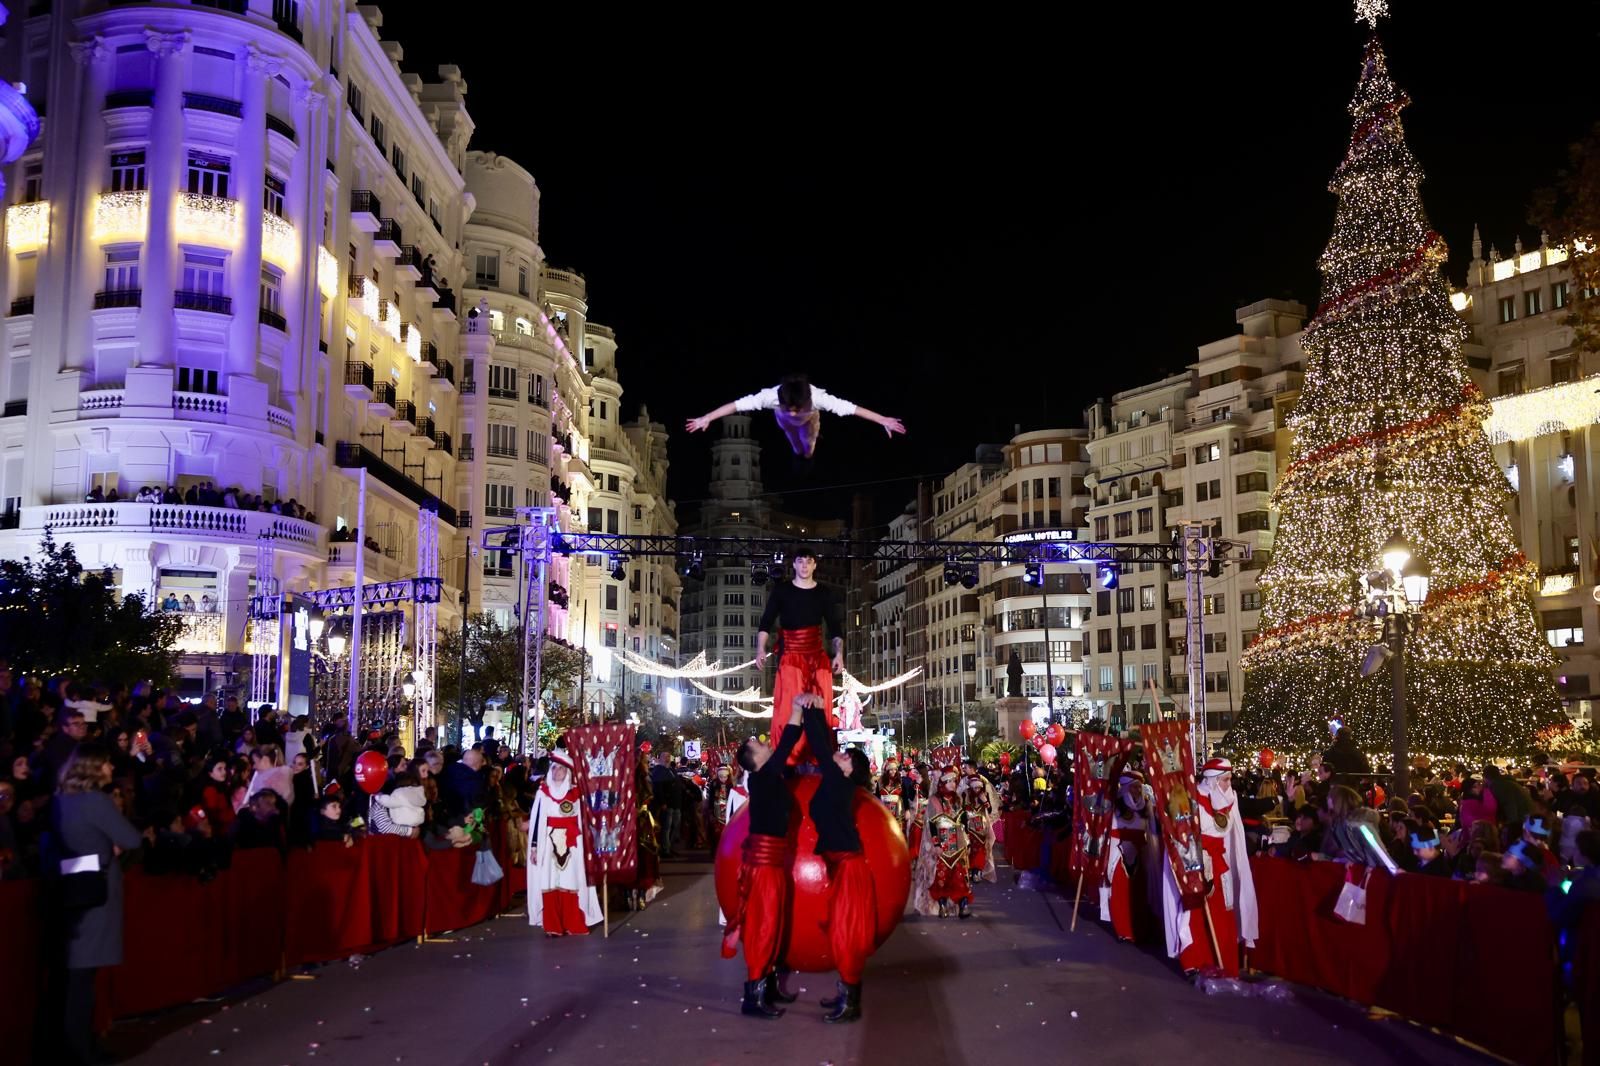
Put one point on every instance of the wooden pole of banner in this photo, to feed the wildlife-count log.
(1216, 948)
(1077, 898)
(605, 904)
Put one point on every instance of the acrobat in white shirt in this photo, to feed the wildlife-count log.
(797, 405)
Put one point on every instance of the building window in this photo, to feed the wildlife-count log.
(194, 379)
(1251, 483)
(353, 98)
(611, 521)
(1558, 295)
(538, 446)
(1147, 520)
(1508, 309)
(1124, 524)
(1563, 368)
(208, 174)
(503, 381)
(398, 157)
(502, 440)
(1130, 676)
(1216, 642)
(1250, 601)
(1221, 414)
(272, 195)
(418, 192)
(122, 269)
(1217, 604)
(486, 270)
(1147, 637)
(500, 500)
(611, 597)
(1533, 301)
(1511, 381)
(1102, 528)
(127, 171)
(522, 279)
(33, 182)
(613, 483)
(1208, 490)
(596, 515)
(1147, 597)
(1103, 641)
(733, 599)
(271, 291)
(611, 636)
(1124, 599)
(733, 620)
(1108, 678)
(378, 137)
(1253, 520)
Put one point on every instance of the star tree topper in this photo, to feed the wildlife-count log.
(1370, 11)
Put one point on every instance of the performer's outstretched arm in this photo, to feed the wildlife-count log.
(818, 734)
(786, 742)
(890, 425)
(695, 425)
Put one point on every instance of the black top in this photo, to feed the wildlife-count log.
(769, 800)
(789, 607)
(831, 806)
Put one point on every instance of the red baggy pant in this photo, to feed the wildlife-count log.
(1199, 954)
(852, 913)
(763, 909)
(562, 913)
(803, 667)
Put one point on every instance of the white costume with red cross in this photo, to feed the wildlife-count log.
(1232, 900)
(559, 894)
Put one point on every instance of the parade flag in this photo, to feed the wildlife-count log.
(945, 756)
(1095, 768)
(1170, 763)
(602, 764)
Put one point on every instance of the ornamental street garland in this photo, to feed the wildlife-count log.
(1457, 605)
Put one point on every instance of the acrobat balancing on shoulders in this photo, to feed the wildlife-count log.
(798, 407)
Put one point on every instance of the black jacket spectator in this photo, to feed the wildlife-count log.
(463, 787)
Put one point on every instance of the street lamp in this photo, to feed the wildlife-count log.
(409, 685)
(972, 732)
(336, 644)
(1394, 594)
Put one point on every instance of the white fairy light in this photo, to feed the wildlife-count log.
(698, 667)
(121, 216)
(1568, 406)
(413, 341)
(851, 682)
(209, 220)
(28, 226)
(279, 245)
(327, 273)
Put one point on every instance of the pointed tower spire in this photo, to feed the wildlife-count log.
(1477, 244)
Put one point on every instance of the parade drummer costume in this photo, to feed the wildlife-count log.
(800, 616)
(1231, 898)
(1121, 893)
(852, 897)
(559, 894)
(764, 881)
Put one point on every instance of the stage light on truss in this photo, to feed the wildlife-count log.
(1033, 573)
(758, 573)
(695, 568)
(952, 572)
(1109, 572)
(776, 570)
(619, 567)
(969, 576)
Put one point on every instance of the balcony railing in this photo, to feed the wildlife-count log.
(356, 286)
(130, 98)
(351, 455)
(538, 400)
(286, 13)
(405, 411)
(14, 409)
(213, 523)
(278, 125)
(22, 305)
(445, 301)
(430, 353)
(383, 392)
(425, 427)
(388, 230)
(503, 451)
(118, 298)
(447, 372)
(233, 7)
(213, 302)
(272, 318)
(364, 202)
(502, 394)
(220, 105)
(469, 386)
(441, 440)
(466, 454)
(464, 520)
(357, 373)
(410, 256)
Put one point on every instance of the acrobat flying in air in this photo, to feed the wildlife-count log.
(798, 407)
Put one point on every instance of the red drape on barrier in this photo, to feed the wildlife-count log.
(1022, 841)
(1586, 983)
(454, 902)
(1434, 950)
(20, 964)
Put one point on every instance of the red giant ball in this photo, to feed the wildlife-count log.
(887, 859)
(372, 770)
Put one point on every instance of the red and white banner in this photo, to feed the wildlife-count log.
(1095, 769)
(945, 756)
(1169, 762)
(602, 763)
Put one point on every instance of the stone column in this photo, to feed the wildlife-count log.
(165, 169)
(301, 300)
(77, 275)
(248, 183)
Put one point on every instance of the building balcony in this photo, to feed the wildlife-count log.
(219, 105)
(117, 298)
(28, 226)
(22, 305)
(428, 353)
(281, 128)
(200, 632)
(269, 317)
(352, 455)
(365, 208)
(383, 398)
(121, 216)
(387, 238)
(73, 521)
(408, 262)
(466, 454)
(426, 428)
(212, 302)
(469, 387)
(444, 306)
(14, 409)
(280, 245)
(209, 220)
(286, 16)
(446, 377)
(202, 406)
(378, 565)
(502, 452)
(405, 411)
(130, 98)
(357, 377)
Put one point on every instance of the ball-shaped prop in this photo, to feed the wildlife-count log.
(645, 747)
(1048, 754)
(1026, 729)
(1265, 758)
(887, 858)
(372, 770)
(1055, 734)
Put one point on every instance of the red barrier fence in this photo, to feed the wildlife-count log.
(183, 940)
(1474, 960)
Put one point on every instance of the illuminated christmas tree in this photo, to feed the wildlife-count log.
(1388, 438)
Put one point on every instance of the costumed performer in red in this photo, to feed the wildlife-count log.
(559, 893)
(1122, 893)
(764, 877)
(1231, 889)
(797, 405)
(852, 897)
(943, 849)
(732, 804)
(979, 808)
(799, 611)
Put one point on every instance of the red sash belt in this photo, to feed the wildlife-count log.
(806, 639)
(762, 850)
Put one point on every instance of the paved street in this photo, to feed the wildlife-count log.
(1011, 985)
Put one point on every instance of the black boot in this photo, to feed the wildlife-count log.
(847, 1007)
(944, 908)
(774, 993)
(755, 1004)
(966, 904)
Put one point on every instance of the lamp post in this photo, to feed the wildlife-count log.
(1394, 594)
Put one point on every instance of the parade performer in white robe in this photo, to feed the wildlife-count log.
(559, 894)
(1231, 892)
(738, 796)
(1122, 891)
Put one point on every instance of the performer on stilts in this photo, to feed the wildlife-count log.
(798, 407)
(979, 806)
(944, 841)
(799, 611)
(559, 894)
(1122, 893)
(852, 897)
(1231, 889)
(764, 878)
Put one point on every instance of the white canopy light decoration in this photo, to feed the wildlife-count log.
(694, 668)
(1568, 406)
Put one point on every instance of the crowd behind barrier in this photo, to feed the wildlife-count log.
(263, 915)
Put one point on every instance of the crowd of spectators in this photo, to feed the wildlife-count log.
(203, 494)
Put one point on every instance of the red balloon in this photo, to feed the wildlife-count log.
(887, 858)
(1005, 762)
(1026, 729)
(372, 770)
(645, 747)
(1038, 741)
(1265, 757)
(1048, 754)
(1055, 734)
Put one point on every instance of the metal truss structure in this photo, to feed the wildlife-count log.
(265, 606)
(1195, 554)
(425, 628)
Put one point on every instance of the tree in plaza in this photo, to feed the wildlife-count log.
(57, 618)
(1569, 213)
(494, 669)
(1388, 438)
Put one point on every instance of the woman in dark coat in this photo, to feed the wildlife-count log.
(88, 823)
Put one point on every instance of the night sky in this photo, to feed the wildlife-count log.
(974, 225)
